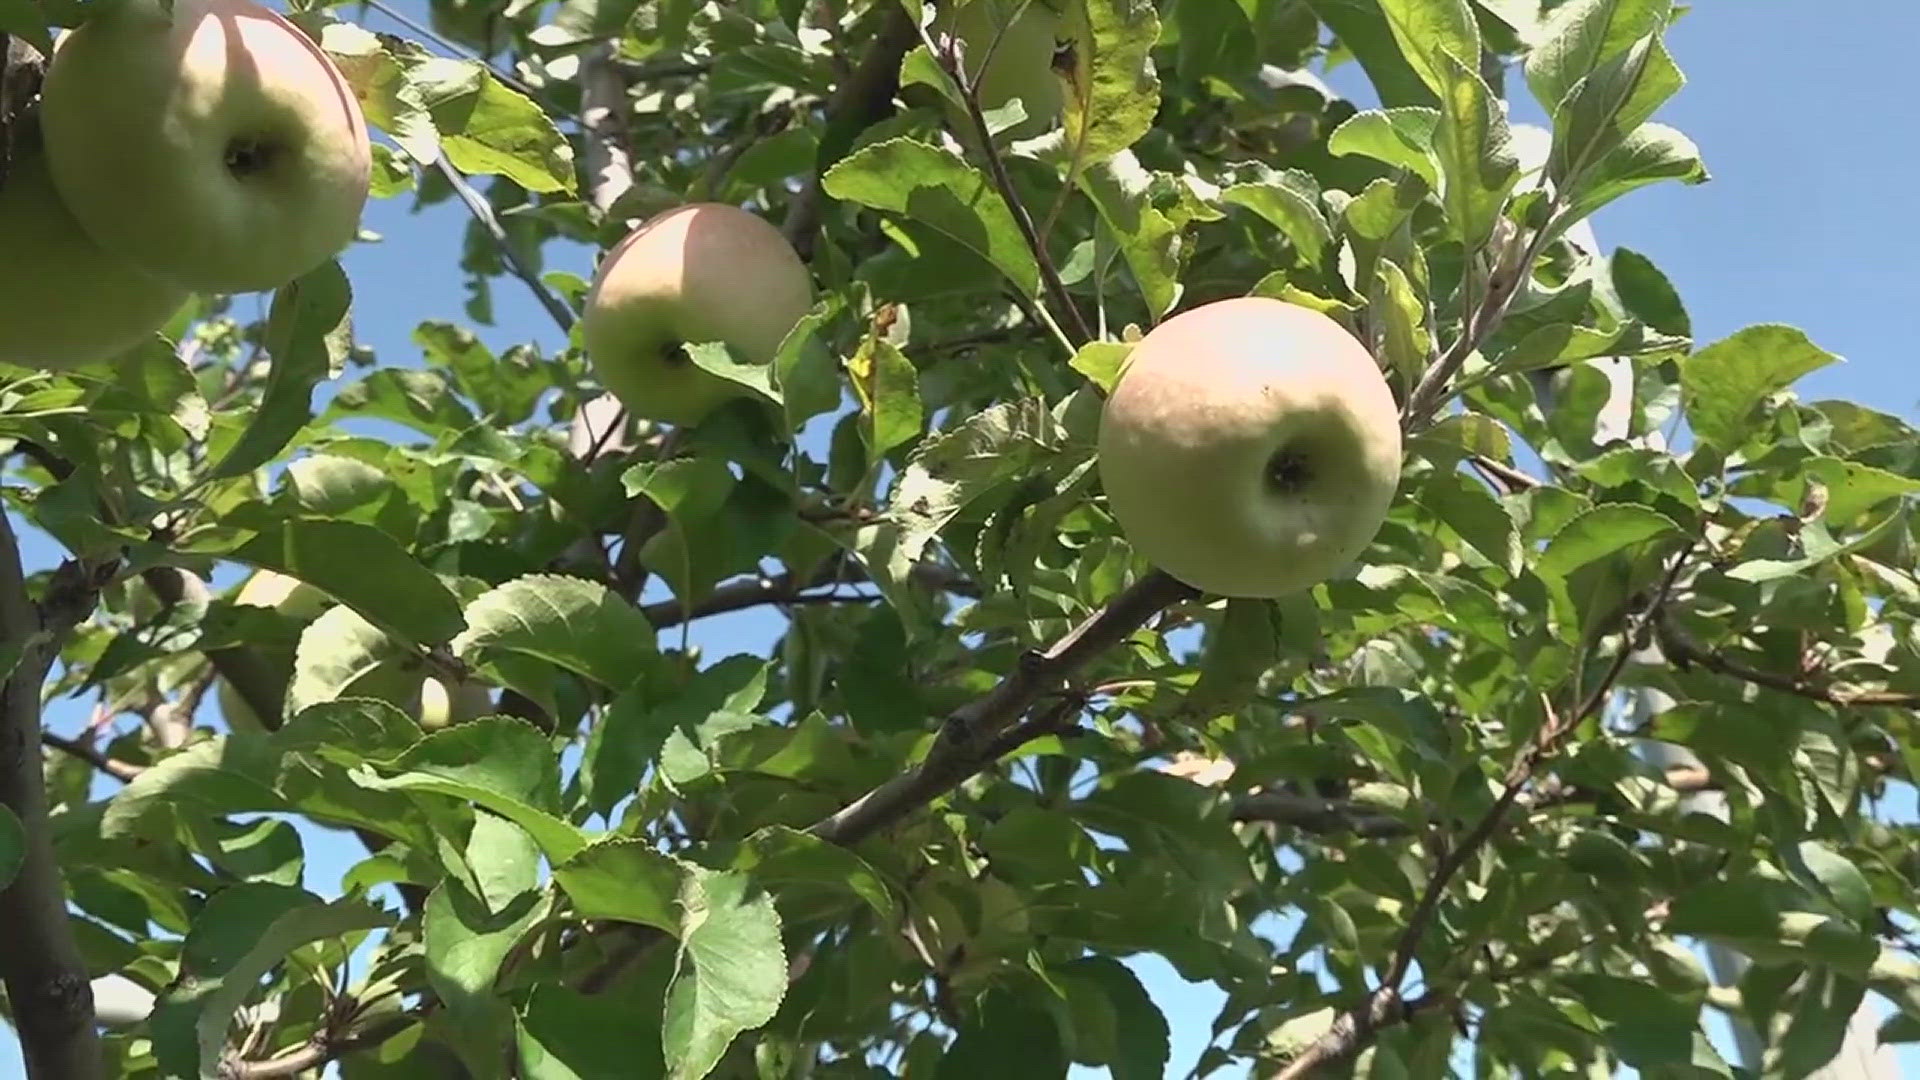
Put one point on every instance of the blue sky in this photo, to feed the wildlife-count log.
(1800, 110)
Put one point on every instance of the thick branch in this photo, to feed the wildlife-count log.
(1682, 651)
(1351, 1032)
(45, 976)
(863, 99)
(603, 116)
(972, 730)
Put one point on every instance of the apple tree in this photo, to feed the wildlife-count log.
(1625, 664)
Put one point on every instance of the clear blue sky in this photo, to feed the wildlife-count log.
(1799, 109)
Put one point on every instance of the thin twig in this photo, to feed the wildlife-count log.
(1050, 280)
(1683, 651)
(1431, 390)
(483, 213)
(122, 771)
(319, 1050)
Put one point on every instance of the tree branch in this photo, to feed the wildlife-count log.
(858, 102)
(122, 771)
(1682, 651)
(319, 1050)
(45, 975)
(603, 117)
(482, 212)
(970, 731)
(1431, 390)
(783, 589)
(1355, 1029)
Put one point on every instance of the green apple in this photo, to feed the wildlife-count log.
(64, 300)
(1019, 66)
(212, 144)
(441, 707)
(696, 273)
(1251, 447)
(290, 597)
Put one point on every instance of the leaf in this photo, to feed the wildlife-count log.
(1582, 35)
(1645, 1025)
(1113, 91)
(1122, 192)
(570, 622)
(1239, 651)
(733, 971)
(1842, 881)
(1646, 293)
(1822, 1012)
(626, 880)
(778, 856)
(487, 127)
(1771, 921)
(717, 358)
(464, 945)
(1610, 103)
(1648, 154)
(1722, 384)
(1362, 26)
(1290, 201)
(331, 486)
(888, 390)
(804, 368)
(223, 775)
(935, 187)
(1600, 532)
(342, 655)
(1007, 1037)
(238, 936)
(949, 470)
(363, 568)
(1431, 33)
(1142, 1041)
(1101, 362)
(1404, 345)
(1853, 488)
(501, 763)
(13, 846)
(1401, 137)
(563, 1035)
(1478, 166)
(24, 19)
(307, 335)
(1819, 544)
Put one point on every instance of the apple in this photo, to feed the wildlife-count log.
(212, 144)
(1250, 448)
(441, 707)
(64, 300)
(290, 597)
(1020, 66)
(696, 273)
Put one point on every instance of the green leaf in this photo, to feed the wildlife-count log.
(1647, 155)
(1605, 107)
(1009, 1037)
(1771, 921)
(1842, 881)
(1725, 382)
(342, 655)
(1853, 488)
(486, 127)
(464, 943)
(1114, 92)
(24, 19)
(804, 368)
(782, 858)
(1122, 192)
(1819, 544)
(223, 775)
(1101, 362)
(1645, 1025)
(363, 568)
(937, 188)
(1822, 1012)
(716, 358)
(1478, 166)
(569, 622)
(1401, 315)
(733, 971)
(240, 935)
(13, 846)
(501, 763)
(1584, 34)
(1646, 293)
(888, 390)
(307, 336)
(1239, 651)
(1600, 532)
(1401, 137)
(1362, 26)
(328, 485)
(563, 1035)
(1435, 36)
(1290, 201)
(1142, 1042)
(626, 880)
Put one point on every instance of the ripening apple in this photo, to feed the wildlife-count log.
(212, 144)
(441, 707)
(1250, 448)
(696, 273)
(64, 300)
(290, 597)
(1019, 66)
